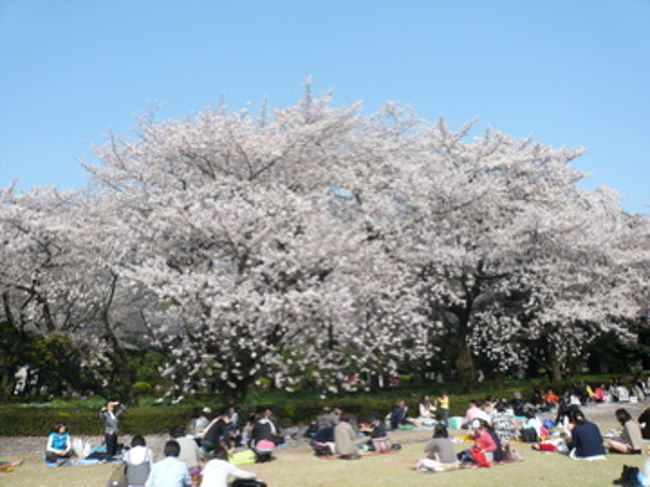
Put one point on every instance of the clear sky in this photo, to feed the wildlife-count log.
(567, 72)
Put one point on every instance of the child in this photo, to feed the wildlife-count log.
(443, 406)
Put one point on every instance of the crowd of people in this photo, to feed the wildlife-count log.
(210, 446)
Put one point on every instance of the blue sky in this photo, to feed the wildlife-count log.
(567, 72)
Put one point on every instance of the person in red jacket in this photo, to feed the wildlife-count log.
(484, 446)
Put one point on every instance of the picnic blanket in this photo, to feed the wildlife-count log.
(79, 462)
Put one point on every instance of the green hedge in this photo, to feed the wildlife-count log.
(38, 421)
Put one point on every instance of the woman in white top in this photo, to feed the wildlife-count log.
(218, 470)
(427, 411)
(139, 461)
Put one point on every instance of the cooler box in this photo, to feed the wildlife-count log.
(455, 422)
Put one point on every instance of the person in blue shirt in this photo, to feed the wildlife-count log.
(170, 472)
(59, 445)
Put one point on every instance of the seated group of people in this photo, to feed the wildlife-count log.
(262, 433)
(336, 432)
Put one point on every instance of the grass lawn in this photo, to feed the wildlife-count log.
(299, 468)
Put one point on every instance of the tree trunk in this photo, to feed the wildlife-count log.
(465, 367)
(555, 365)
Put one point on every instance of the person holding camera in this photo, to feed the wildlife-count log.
(110, 414)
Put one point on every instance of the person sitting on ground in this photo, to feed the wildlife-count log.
(644, 422)
(563, 413)
(440, 452)
(59, 445)
(190, 452)
(323, 441)
(170, 472)
(503, 423)
(276, 432)
(551, 399)
(261, 438)
(218, 470)
(473, 409)
(345, 439)
(215, 433)
(485, 412)
(139, 461)
(377, 432)
(531, 429)
(630, 440)
(199, 421)
(398, 416)
(427, 411)
(484, 446)
(538, 401)
(518, 404)
(586, 442)
(328, 418)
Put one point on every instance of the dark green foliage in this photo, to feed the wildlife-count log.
(38, 421)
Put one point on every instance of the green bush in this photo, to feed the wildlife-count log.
(35, 421)
(142, 388)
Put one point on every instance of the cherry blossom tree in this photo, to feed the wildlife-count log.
(311, 244)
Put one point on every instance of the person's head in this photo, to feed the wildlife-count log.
(516, 395)
(622, 416)
(172, 448)
(138, 440)
(373, 418)
(197, 412)
(400, 403)
(529, 413)
(487, 407)
(440, 431)
(479, 426)
(59, 427)
(207, 411)
(220, 452)
(424, 399)
(576, 417)
(445, 393)
(268, 412)
(177, 432)
(345, 416)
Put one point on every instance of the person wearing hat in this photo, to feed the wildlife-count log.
(199, 421)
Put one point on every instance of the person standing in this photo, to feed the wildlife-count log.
(443, 407)
(110, 414)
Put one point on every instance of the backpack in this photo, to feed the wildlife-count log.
(529, 435)
(629, 477)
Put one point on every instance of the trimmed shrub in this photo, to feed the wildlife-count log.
(38, 421)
